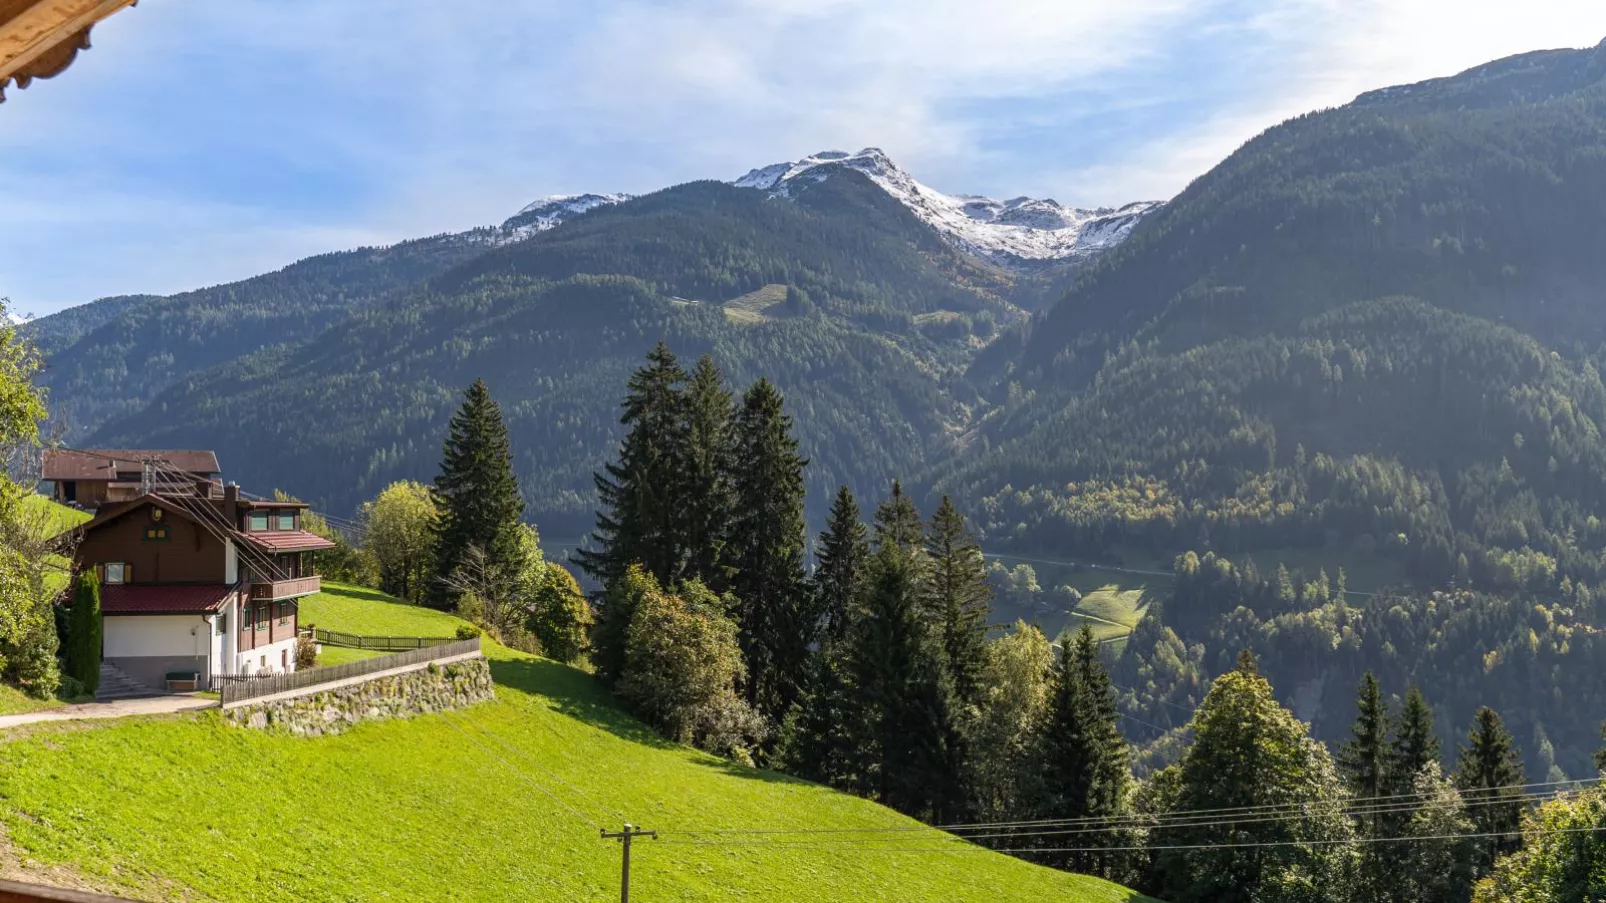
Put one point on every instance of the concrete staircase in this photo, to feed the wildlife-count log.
(114, 684)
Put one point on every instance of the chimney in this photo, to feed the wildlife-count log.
(231, 503)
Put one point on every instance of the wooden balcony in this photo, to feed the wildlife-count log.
(274, 590)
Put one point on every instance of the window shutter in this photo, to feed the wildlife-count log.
(100, 573)
(128, 572)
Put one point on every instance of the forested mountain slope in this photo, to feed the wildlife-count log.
(1484, 192)
(867, 346)
(1369, 340)
(110, 357)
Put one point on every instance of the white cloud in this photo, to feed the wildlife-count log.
(1330, 51)
(306, 127)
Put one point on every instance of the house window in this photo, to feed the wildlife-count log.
(263, 616)
(284, 613)
(284, 659)
(220, 623)
(287, 520)
(259, 521)
(115, 572)
(156, 533)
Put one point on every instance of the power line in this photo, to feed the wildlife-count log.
(964, 847)
(1145, 823)
(1344, 807)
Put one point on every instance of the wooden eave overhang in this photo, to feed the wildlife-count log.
(40, 38)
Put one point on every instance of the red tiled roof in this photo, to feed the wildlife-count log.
(289, 541)
(104, 463)
(162, 598)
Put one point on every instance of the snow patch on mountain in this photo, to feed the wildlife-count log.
(543, 214)
(1030, 229)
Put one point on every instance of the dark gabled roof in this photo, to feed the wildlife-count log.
(289, 541)
(162, 598)
(104, 463)
(112, 512)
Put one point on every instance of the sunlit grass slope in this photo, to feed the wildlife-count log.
(459, 807)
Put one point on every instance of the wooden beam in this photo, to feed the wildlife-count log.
(39, 28)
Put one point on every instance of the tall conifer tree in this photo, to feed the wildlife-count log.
(958, 596)
(1363, 760)
(897, 522)
(778, 618)
(84, 632)
(844, 552)
(1415, 743)
(707, 500)
(911, 735)
(1490, 774)
(639, 523)
(1085, 758)
(476, 495)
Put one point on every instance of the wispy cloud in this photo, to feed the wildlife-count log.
(201, 142)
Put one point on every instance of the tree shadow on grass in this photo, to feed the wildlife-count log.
(580, 696)
(347, 591)
(576, 694)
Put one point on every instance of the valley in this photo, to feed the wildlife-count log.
(1001, 513)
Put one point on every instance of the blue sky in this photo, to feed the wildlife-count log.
(202, 141)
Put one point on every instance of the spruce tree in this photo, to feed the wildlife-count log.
(778, 619)
(1413, 758)
(910, 741)
(1085, 763)
(1415, 744)
(639, 523)
(843, 555)
(706, 499)
(1363, 760)
(1489, 774)
(897, 522)
(84, 633)
(476, 495)
(958, 595)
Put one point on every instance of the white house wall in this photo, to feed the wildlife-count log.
(133, 636)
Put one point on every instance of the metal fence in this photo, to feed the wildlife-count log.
(385, 643)
(240, 687)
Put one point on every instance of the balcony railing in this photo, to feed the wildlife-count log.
(273, 590)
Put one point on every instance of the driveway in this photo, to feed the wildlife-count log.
(119, 708)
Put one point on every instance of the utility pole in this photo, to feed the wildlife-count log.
(624, 837)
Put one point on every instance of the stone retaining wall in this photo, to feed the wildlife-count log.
(434, 688)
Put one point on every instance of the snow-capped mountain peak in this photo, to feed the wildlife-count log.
(1017, 229)
(543, 214)
(1014, 231)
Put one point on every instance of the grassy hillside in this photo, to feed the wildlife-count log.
(52, 516)
(457, 807)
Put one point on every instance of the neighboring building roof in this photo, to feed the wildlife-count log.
(118, 509)
(104, 463)
(289, 541)
(162, 598)
(40, 38)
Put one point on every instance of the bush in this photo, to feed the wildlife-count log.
(560, 616)
(70, 689)
(682, 664)
(306, 651)
(468, 632)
